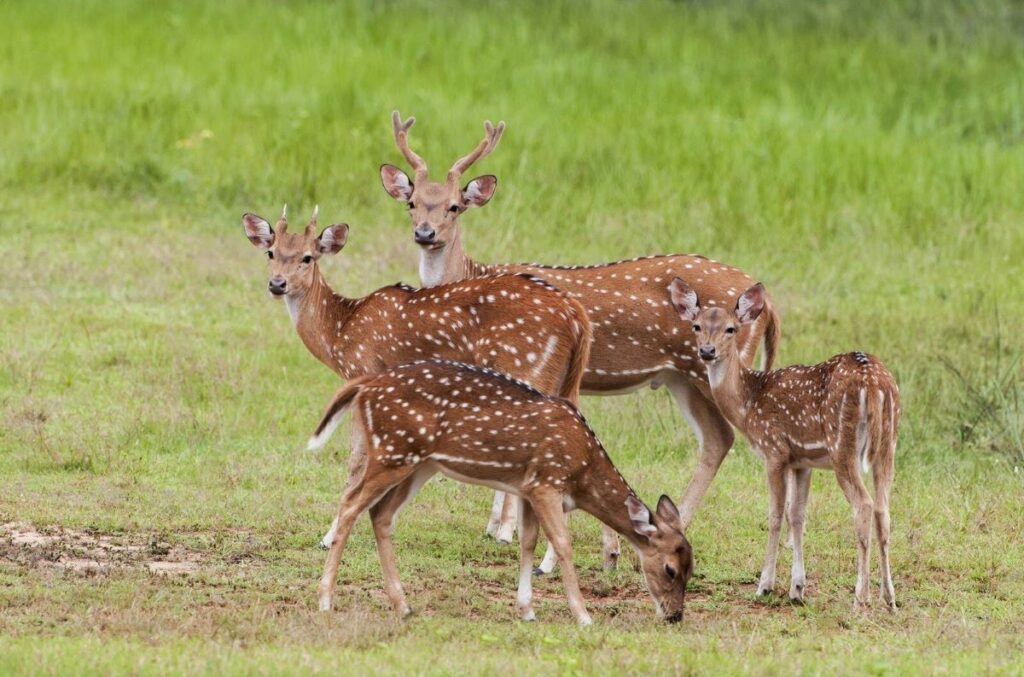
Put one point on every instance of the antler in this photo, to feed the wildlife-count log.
(282, 223)
(401, 130)
(311, 226)
(492, 135)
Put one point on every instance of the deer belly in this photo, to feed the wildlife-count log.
(470, 473)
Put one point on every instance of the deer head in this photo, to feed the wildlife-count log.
(716, 328)
(667, 558)
(293, 256)
(435, 207)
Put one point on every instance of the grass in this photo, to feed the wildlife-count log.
(865, 162)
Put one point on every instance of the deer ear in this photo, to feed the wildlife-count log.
(396, 182)
(750, 304)
(479, 191)
(684, 299)
(333, 238)
(258, 231)
(640, 516)
(667, 511)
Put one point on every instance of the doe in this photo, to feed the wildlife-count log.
(475, 425)
(839, 415)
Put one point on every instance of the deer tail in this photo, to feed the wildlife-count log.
(772, 336)
(580, 353)
(335, 410)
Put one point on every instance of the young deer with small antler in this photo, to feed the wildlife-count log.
(517, 324)
(636, 340)
(477, 426)
(840, 415)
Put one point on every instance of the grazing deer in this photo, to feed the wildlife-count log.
(636, 338)
(517, 324)
(840, 415)
(478, 426)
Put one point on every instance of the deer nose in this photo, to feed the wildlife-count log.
(674, 617)
(277, 285)
(707, 353)
(424, 234)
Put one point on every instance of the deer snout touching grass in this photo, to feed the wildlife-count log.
(478, 426)
(839, 415)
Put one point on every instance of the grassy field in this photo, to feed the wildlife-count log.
(865, 162)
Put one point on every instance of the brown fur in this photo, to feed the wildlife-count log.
(478, 426)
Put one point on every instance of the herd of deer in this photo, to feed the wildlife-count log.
(477, 375)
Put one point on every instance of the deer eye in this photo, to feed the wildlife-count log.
(730, 330)
(270, 254)
(669, 571)
(307, 258)
(454, 209)
(696, 327)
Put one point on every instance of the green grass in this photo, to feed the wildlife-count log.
(865, 162)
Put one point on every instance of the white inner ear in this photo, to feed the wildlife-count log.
(329, 242)
(473, 193)
(260, 229)
(743, 307)
(641, 517)
(402, 185)
(690, 304)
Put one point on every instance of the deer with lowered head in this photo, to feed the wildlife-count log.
(478, 426)
(840, 415)
(637, 340)
(517, 324)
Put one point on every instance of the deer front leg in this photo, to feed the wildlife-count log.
(715, 436)
(507, 524)
(495, 520)
(527, 544)
(548, 506)
(776, 506)
(797, 495)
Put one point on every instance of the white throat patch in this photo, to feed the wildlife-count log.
(432, 267)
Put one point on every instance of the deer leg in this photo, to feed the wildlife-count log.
(507, 523)
(548, 506)
(358, 497)
(527, 544)
(609, 548)
(714, 435)
(856, 493)
(382, 515)
(495, 520)
(790, 488)
(776, 506)
(356, 468)
(798, 490)
(883, 471)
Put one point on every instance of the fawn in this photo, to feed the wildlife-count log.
(477, 426)
(840, 415)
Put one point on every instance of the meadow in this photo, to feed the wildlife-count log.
(160, 514)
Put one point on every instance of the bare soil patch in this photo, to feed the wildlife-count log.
(90, 553)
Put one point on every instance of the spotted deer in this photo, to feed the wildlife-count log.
(637, 340)
(478, 426)
(840, 415)
(517, 324)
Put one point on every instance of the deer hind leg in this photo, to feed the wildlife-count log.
(714, 435)
(799, 488)
(527, 544)
(776, 506)
(850, 481)
(357, 499)
(882, 470)
(356, 469)
(383, 514)
(548, 506)
(507, 523)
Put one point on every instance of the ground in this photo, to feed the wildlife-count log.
(158, 511)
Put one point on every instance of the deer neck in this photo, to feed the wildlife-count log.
(318, 315)
(604, 496)
(734, 388)
(448, 264)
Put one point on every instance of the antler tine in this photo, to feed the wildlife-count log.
(311, 226)
(282, 223)
(401, 130)
(492, 135)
